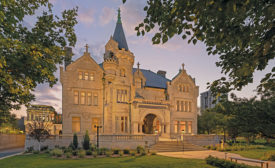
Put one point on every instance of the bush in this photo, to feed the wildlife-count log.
(36, 152)
(133, 153)
(81, 153)
(89, 152)
(29, 149)
(269, 156)
(221, 163)
(153, 153)
(126, 151)
(95, 154)
(109, 153)
(143, 153)
(92, 147)
(68, 150)
(140, 149)
(86, 142)
(43, 148)
(56, 152)
(116, 151)
(120, 153)
(75, 142)
(75, 152)
(102, 151)
(69, 155)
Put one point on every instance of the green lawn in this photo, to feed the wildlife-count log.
(45, 161)
(254, 153)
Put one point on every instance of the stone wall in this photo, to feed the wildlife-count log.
(8, 141)
(107, 141)
(202, 140)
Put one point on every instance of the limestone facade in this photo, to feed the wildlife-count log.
(123, 99)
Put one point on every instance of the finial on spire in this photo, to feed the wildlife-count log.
(86, 46)
(118, 16)
(138, 64)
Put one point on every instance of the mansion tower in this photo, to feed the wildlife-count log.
(123, 99)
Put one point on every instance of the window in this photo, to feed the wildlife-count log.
(75, 124)
(184, 88)
(181, 106)
(95, 99)
(122, 72)
(122, 124)
(138, 127)
(178, 105)
(89, 98)
(91, 76)
(190, 106)
(86, 76)
(175, 126)
(95, 122)
(83, 96)
(182, 126)
(122, 96)
(76, 97)
(187, 106)
(189, 126)
(80, 75)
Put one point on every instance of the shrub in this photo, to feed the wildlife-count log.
(109, 153)
(86, 142)
(43, 148)
(56, 152)
(75, 152)
(102, 151)
(69, 155)
(81, 153)
(120, 153)
(92, 147)
(116, 151)
(133, 153)
(153, 153)
(29, 149)
(269, 156)
(89, 152)
(36, 152)
(75, 142)
(69, 150)
(95, 154)
(126, 151)
(143, 153)
(221, 163)
(140, 149)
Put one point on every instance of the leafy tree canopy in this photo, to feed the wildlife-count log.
(242, 33)
(29, 56)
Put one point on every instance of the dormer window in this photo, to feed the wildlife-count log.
(183, 88)
(86, 76)
(80, 75)
(91, 76)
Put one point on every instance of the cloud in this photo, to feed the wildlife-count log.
(107, 15)
(86, 16)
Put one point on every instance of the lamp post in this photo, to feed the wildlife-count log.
(97, 135)
(182, 132)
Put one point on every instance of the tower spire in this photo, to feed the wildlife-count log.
(118, 16)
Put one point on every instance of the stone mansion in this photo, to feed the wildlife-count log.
(123, 99)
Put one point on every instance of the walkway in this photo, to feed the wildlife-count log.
(204, 154)
(10, 152)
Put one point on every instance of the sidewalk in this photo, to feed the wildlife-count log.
(10, 152)
(204, 154)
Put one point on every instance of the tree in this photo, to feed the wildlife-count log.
(207, 122)
(28, 56)
(39, 131)
(75, 141)
(86, 142)
(242, 33)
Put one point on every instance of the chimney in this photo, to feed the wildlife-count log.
(68, 56)
(161, 73)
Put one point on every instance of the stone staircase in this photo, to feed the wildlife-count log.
(175, 146)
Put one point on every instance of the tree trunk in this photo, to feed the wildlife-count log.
(38, 146)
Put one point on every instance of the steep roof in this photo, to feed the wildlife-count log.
(152, 79)
(119, 35)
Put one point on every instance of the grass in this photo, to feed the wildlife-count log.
(254, 153)
(45, 161)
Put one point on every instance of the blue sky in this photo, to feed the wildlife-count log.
(96, 23)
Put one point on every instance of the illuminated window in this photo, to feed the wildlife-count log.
(95, 99)
(83, 96)
(75, 124)
(80, 75)
(182, 126)
(175, 126)
(86, 76)
(91, 76)
(89, 99)
(75, 97)
(95, 122)
(189, 126)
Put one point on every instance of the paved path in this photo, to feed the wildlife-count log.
(10, 152)
(204, 154)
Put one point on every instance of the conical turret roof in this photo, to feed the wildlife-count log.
(119, 35)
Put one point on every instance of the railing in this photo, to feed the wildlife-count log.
(115, 138)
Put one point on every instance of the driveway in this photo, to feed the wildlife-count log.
(10, 152)
(205, 154)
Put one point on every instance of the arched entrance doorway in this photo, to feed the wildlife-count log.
(151, 124)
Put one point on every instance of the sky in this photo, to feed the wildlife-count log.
(96, 23)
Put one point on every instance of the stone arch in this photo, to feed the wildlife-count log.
(151, 123)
